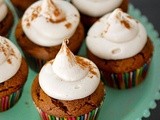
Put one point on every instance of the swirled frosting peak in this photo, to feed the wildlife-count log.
(48, 22)
(69, 77)
(3, 7)
(96, 8)
(116, 36)
(73, 70)
(120, 25)
(10, 59)
(51, 11)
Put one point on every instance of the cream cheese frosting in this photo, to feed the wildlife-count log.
(48, 22)
(3, 7)
(96, 8)
(69, 77)
(10, 59)
(116, 36)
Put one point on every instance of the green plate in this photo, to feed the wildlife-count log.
(132, 104)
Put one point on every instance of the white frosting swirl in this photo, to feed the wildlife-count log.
(3, 9)
(69, 77)
(116, 36)
(46, 23)
(96, 8)
(10, 59)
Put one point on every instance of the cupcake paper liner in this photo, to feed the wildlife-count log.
(128, 79)
(9, 101)
(88, 116)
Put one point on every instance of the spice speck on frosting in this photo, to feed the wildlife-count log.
(52, 12)
(122, 20)
(126, 24)
(68, 25)
(7, 50)
(84, 64)
(33, 16)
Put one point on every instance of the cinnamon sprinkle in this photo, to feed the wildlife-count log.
(33, 16)
(68, 25)
(105, 30)
(84, 64)
(5, 49)
(35, 12)
(57, 21)
(126, 24)
(56, 12)
(123, 21)
(9, 61)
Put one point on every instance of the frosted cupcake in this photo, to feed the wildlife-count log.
(6, 18)
(120, 47)
(92, 10)
(43, 27)
(68, 87)
(13, 74)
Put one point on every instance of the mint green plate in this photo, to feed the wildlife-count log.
(132, 104)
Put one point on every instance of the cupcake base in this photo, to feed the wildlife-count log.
(9, 101)
(50, 107)
(126, 73)
(6, 24)
(11, 90)
(128, 79)
(88, 116)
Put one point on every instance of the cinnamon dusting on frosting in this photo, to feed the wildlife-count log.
(123, 21)
(9, 61)
(126, 24)
(52, 12)
(65, 49)
(33, 16)
(5, 47)
(57, 21)
(105, 30)
(84, 64)
(78, 60)
(68, 25)
(35, 13)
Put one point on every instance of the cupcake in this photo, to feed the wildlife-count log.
(6, 19)
(92, 10)
(68, 87)
(120, 47)
(13, 74)
(23, 4)
(43, 27)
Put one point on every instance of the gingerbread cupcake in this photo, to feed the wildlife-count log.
(13, 74)
(92, 10)
(6, 19)
(68, 87)
(23, 4)
(120, 47)
(43, 27)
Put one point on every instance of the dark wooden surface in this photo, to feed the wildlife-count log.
(151, 9)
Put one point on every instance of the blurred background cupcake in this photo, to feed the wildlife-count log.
(6, 18)
(68, 87)
(22, 5)
(120, 47)
(43, 27)
(92, 10)
(13, 74)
